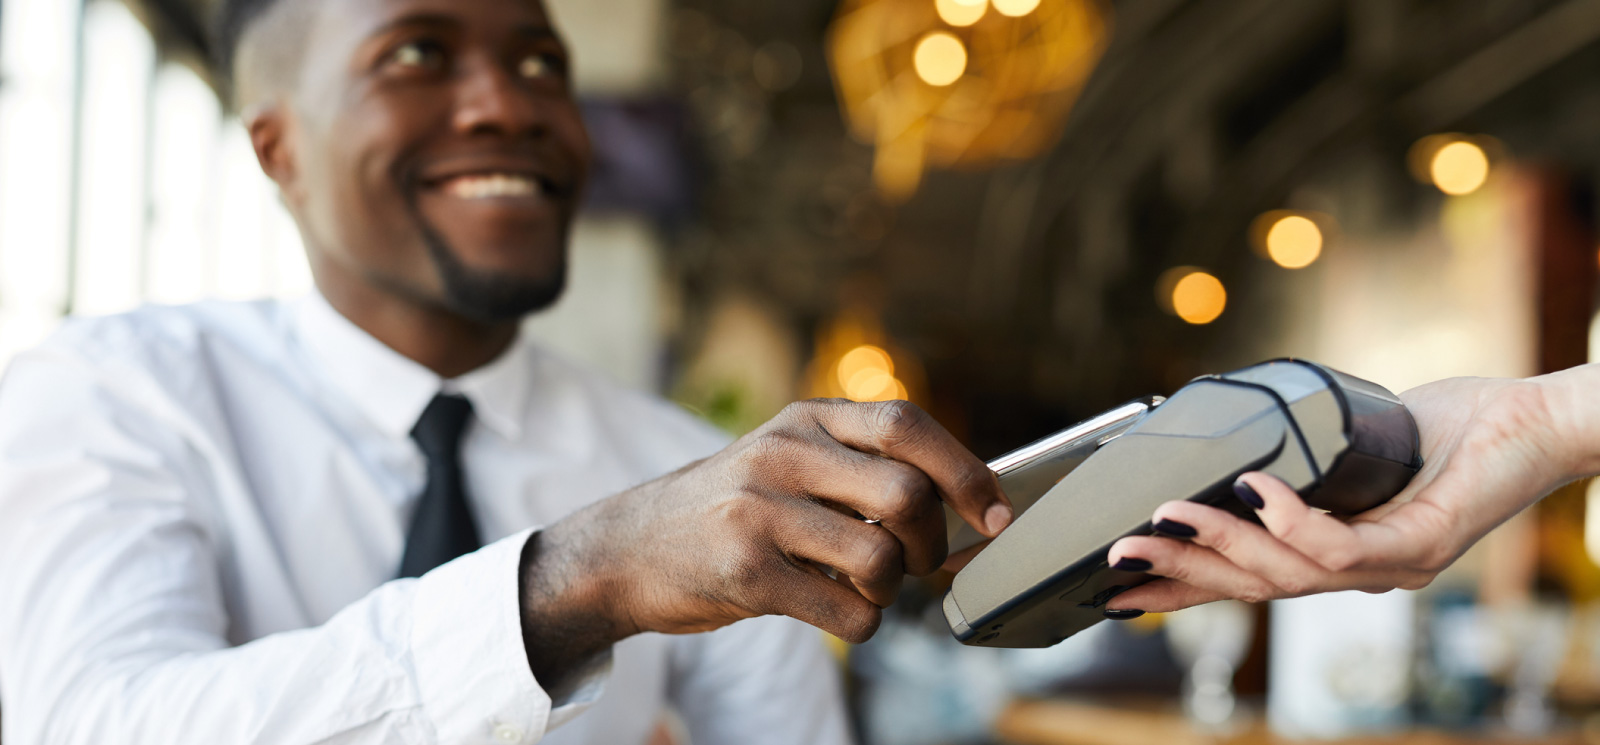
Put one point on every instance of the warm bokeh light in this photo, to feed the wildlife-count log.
(866, 373)
(940, 59)
(864, 357)
(1199, 298)
(870, 385)
(1294, 242)
(961, 12)
(1001, 91)
(1459, 168)
(1016, 8)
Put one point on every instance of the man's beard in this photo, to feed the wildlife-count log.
(486, 296)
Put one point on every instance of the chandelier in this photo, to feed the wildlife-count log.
(960, 83)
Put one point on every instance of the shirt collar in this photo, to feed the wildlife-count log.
(392, 389)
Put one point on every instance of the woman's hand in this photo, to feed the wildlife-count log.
(1492, 448)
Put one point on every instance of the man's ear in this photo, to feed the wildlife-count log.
(271, 137)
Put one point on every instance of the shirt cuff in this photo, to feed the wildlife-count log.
(585, 689)
(471, 665)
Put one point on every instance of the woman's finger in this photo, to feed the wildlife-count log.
(1251, 548)
(1333, 544)
(1163, 596)
(1192, 565)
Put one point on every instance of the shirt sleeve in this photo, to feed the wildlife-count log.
(113, 625)
(767, 680)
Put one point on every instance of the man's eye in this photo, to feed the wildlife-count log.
(418, 54)
(538, 66)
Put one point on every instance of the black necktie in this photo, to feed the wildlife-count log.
(442, 527)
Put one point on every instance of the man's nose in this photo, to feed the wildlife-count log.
(492, 100)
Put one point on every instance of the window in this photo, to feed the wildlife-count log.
(122, 178)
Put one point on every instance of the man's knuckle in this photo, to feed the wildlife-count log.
(881, 558)
(904, 496)
(898, 421)
(774, 451)
(798, 411)
(745, 510)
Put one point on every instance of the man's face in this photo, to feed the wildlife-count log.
(439, 155)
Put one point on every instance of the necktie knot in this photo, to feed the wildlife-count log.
(439, 429)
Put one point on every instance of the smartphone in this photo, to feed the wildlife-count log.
(1029, 471)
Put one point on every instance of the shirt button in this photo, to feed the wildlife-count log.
(507, 733)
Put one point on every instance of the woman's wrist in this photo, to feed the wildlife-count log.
(1573, 404)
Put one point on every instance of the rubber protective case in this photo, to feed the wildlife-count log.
(1344, 444)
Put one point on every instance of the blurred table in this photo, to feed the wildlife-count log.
(1063, 722)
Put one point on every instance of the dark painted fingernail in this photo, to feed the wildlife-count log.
(1122, 615)
(1175, 529)
(1248, 495)
(1131, 564)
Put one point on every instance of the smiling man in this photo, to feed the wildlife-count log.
(378, 514)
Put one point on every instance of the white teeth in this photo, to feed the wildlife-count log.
(493, 186)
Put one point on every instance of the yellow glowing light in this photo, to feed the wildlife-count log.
(1016, 8)
(1008, 96)
(1199, 298)
(1459, 168)
(961, 13)
(940, 59)
(1294, 242)
(863, 359)
(872, 385)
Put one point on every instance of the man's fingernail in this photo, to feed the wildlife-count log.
(1122, 615)
(997, 517)
(1248, 495)
(1175, 529)
(1131, 564)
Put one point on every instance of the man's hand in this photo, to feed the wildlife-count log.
(826, 488)
(1492, 448)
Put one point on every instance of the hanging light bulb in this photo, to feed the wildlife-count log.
(961, 13)
(940, 59)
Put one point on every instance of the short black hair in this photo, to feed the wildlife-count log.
(233, 19)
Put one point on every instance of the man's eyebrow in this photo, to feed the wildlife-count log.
(538, 32)
(416, 19)
(527, 32)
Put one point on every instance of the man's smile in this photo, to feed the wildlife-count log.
(493, 186)
(512, 183)
(493, 197)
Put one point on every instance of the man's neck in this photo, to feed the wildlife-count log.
(445, 342)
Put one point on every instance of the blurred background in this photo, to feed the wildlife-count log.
(1016, 213)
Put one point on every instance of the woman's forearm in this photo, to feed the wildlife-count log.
(1574, 406)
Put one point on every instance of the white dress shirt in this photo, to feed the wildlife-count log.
(202, 510)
